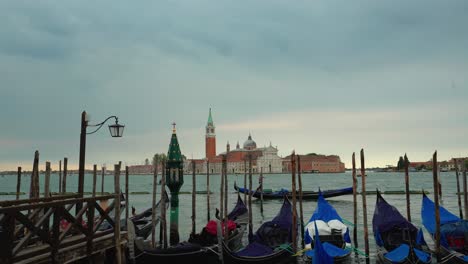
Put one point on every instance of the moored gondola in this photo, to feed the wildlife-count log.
(270, 244)
(201, 248)
(453, 231)
(331, 240)
(306, 195)
(398, 240)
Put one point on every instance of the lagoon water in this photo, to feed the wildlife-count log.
(343, 204)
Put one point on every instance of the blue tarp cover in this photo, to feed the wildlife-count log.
(428, 219)
(320, 254)
(398, 254)
(255, 249)
(423, 256)
(331, 250)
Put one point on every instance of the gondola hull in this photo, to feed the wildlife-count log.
(282, 256)
(306, 195)
(382, 259)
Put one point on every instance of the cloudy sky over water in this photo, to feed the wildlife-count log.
(329, 77)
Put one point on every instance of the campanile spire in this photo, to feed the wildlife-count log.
(210, 138)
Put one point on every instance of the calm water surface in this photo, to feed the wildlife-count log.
(343, 204)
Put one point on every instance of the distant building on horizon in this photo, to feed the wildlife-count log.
(264, 159)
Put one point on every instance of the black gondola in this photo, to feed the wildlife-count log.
(306, 195)
(270, 244)
(195, 251)
(143, 220)
(398, 240)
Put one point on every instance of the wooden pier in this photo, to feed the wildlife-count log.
(44, 230)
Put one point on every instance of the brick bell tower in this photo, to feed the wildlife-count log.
(210, 138)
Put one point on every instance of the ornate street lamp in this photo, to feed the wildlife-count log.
(116, 130)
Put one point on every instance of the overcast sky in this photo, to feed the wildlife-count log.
(329, 77)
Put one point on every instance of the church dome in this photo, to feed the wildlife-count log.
(249, 144)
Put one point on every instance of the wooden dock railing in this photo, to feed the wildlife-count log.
(44, 230)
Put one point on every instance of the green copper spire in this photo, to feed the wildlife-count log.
(173, 154)
(210, 119)
(174, 180)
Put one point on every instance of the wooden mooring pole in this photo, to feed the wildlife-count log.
(127, 196)
(226, 232)
(18, 184)
(301, 211)
(465, 189)
(194, 204)
(355, 219)
(60, 176)
(64, 179)
(103, 169)
(47, 180)
(364, 206)
(163, 207)
(207, 190)
(94, 179)
(260, 179)
(436, 202)
(250, 198)
(408, 211)
(34, 187)
(153, 205)
(245, 180)
(458, 190)
(118, 251)
(294, 211)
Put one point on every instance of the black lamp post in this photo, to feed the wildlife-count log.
(116, 130)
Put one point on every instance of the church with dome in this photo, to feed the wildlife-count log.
(264, 159)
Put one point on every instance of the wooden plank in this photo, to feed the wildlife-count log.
(127, 198)
(207, 190)
(38, 200)
(355, 220)
(194, 190)
(94, 179)
(34, 186)
(294, 212)
(60, 176)
(458, 190)
(301, 211)
(408, 211)
(90, 227)
(153, 205)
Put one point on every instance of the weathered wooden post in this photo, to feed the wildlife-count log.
(221, 197)
(408, 211)
(355, 241)
(207, 190)
(245, 179)
(94, 179)
(301, 212)
(153, 205)
(47, 180)
(34, 187)
(436, 202)
(18, 184)
(118, 250)
(458, 190)
(294, 213)
(60, 176)
(64, 180)
(226, 232)
(250, 198)
(260, 179)
(175, 180)
(364, 206)
(163, 225)
(127, 196)
(103, 169)
(465, 187)
(194, 204)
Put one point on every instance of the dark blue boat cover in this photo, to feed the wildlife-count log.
(386, 217)
(398, 254)
(277, 231)
(271, 234)
(238, 210)
(428, 215)
(320, 255)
